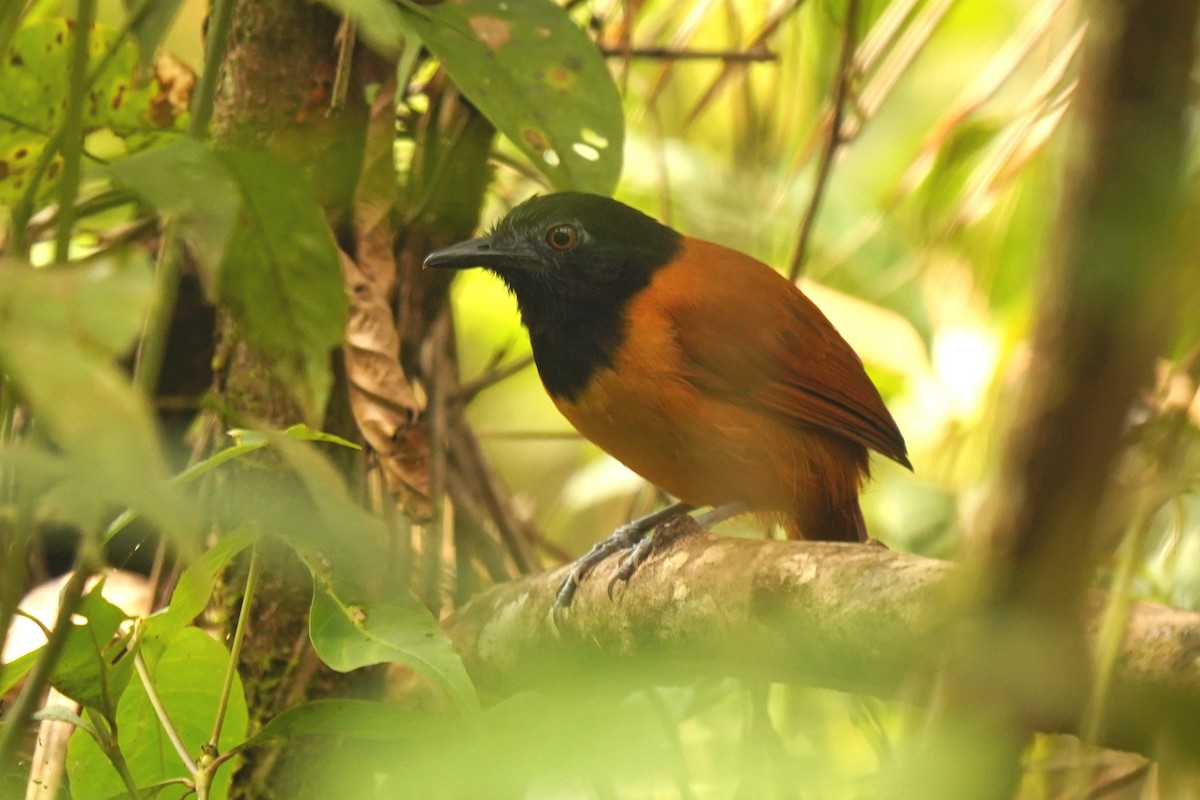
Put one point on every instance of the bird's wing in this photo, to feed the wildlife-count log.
(747, 335)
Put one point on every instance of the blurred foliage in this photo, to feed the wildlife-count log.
(926, 255)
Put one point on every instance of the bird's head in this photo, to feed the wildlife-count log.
(561, 250)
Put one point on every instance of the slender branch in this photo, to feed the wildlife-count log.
(467, 392)
(841, 91)
(219, 26)
(73, 128)
(671, 54)
(160, 711)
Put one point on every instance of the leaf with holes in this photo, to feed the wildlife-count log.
(534, 73)
(528, 67)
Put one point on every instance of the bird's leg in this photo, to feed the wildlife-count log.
(642, 549)
(630, 535)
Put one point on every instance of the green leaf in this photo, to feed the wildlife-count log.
(264, 248)
(531, 71)
(348, 636)
(18, 668)
(184, 180)
(99, 303)
(64, 714)
(153, 27)
(35, 94)
(191, 594)
(281, 278)
(90, 669)
(59, 329)
(188, 678)
(354, 719)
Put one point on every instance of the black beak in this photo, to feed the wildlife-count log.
(481, 252)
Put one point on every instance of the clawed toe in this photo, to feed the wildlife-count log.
(633, 536)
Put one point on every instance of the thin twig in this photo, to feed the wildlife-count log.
(469, 391)
(841, 90)
(160, 711)
(235, 650)
(672, 54)
(347, 36)
(73, 128)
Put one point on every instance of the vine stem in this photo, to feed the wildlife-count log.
(212, 758)
(235, 650)
(73, 128)
(160, 711)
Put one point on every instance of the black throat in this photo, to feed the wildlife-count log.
(569, 350)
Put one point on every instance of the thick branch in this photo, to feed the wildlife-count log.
(849, 617)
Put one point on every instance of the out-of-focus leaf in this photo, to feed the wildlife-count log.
(354, 719)
(18, 668)
(58, 331)
(185, 181)
(280, 278)
(35, 96)
(529, 68)
(264, 247)
(154, 25)
(351, 635)
(100, 303)
(188, 678)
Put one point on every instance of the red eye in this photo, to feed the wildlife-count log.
(562, 237)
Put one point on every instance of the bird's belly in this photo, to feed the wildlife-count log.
(660, 428)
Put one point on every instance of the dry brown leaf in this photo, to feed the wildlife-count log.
(381, 398)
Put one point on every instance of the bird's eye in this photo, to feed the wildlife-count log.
(562, 237)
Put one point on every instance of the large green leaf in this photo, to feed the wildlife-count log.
(265, 249)
(59, 330)
(188, 679)
(185, 181)
(349, 635)
(281, 278)
(529, 68)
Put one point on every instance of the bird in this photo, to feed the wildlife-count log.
(698, 367)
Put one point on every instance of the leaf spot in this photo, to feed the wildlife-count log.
(535, 139)
(492, 31)
(559, 77)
